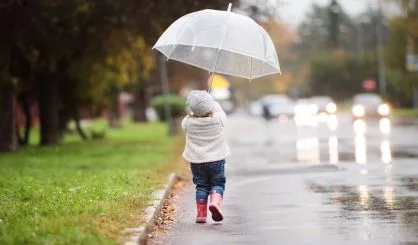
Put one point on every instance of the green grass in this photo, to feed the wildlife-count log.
(406, 112)
(83, 192)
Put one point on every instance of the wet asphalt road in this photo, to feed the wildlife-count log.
(330, 182)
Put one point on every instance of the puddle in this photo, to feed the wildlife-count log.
(411, 183)
(362, 200)
(357, 205)
(404, 154)
(317, 188)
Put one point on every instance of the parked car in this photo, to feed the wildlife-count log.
(227, 105)
(279, 105)
(369, 105)
(324, 104)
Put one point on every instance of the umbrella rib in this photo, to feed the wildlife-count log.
(194, 35)
(178, 37)
(263, 48)
(251, 68)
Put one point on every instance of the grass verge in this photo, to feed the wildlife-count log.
(83, 192)
(406, 112)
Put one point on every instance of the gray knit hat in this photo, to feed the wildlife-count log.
(200, 102)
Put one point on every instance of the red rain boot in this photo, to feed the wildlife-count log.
(202, 211)
(215, 206)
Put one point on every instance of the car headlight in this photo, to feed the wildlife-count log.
(314, 108)
(298, 109)
(358, 110)
(383, 110)
(331, 108)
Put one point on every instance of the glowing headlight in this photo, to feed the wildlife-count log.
(331, 108)
(383, 110)
(314, 108)
(299, 109)
(358, 111)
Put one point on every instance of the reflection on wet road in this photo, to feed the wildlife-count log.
(308, 147)
(324, 180)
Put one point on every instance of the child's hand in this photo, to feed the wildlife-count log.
(217, 107)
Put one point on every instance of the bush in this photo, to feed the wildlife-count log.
(177, 105)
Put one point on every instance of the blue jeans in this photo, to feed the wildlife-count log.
(208, 177)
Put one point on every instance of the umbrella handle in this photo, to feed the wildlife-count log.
(210, 81)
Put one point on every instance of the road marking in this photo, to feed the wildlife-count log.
(299, 227)
(250, 181)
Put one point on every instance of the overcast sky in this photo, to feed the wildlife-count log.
(294, 11)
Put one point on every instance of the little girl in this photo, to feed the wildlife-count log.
(206, 149)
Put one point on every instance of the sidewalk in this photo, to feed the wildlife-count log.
(185, 232)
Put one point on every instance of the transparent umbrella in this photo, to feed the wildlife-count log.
(220, 42)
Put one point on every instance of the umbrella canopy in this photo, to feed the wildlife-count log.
(220, 42)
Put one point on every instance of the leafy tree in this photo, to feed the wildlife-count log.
(339, 74)
(283, 39)
(354, 36)
(403, 40)
(52, 51)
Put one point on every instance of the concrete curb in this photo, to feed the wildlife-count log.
(139, 235)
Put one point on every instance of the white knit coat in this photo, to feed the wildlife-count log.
(205, 137)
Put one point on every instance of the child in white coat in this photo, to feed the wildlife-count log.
(206, 149)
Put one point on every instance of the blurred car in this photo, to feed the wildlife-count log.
(227, 105)
(304, 107)
(224, 96)
(256, 108)
(279, 105)
(324, 104)
(305, 113)
(369, 105)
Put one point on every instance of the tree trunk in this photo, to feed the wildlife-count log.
(8, 137)
(19, 138)
(140, 105)
(114, 113)
(23, 100)
(48, 108)
(78, 127)
(64, 118)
